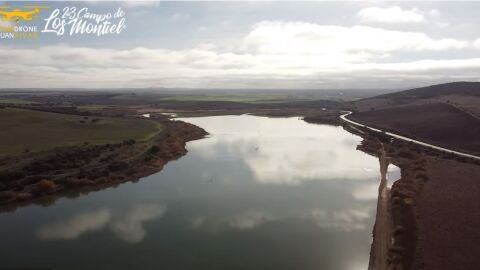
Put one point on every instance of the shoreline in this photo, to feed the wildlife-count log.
(422, 143)
(394, 236)
(443, 127)
(169, 145)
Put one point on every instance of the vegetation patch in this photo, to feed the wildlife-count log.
(27, 130)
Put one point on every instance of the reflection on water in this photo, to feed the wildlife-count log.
(344, 220)
(258, 193)
(128, 227)
(312, 153)
(250, 219)
(75, 226)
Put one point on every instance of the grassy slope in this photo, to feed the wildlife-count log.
(34, 130)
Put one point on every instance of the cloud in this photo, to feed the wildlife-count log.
(137, 3)
(477, 43)
(353, 44)
(6, 24)
(178, 16)
(75, 226)
(393, 14)
(273, 54)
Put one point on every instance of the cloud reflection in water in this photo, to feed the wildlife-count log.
(130, 227)
(249, 220)
(127, 226)
(345, 220)
(75, 226)
(313, 152)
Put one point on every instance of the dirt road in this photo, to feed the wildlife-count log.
(382, 232)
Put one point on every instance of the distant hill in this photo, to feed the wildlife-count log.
(453, 88)
(464, 95)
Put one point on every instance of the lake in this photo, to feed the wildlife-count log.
(258, 193)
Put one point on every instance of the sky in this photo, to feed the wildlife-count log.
(252, 45)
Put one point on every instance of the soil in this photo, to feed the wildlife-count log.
(437, 123)
(448, 217)
(433, 207)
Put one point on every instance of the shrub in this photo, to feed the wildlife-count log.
(129, 142)
(6, 195)
(154, 149)
(422, 176)
(132, 141)
(46, 186)
(7, 176)
(405, 154)
(3, 186)
(70, 182)
(117, 166)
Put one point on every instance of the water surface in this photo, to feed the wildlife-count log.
(258, 193)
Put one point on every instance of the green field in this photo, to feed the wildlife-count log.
(35, 131)
(238, 98)
(15, 101)
(92, 107)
